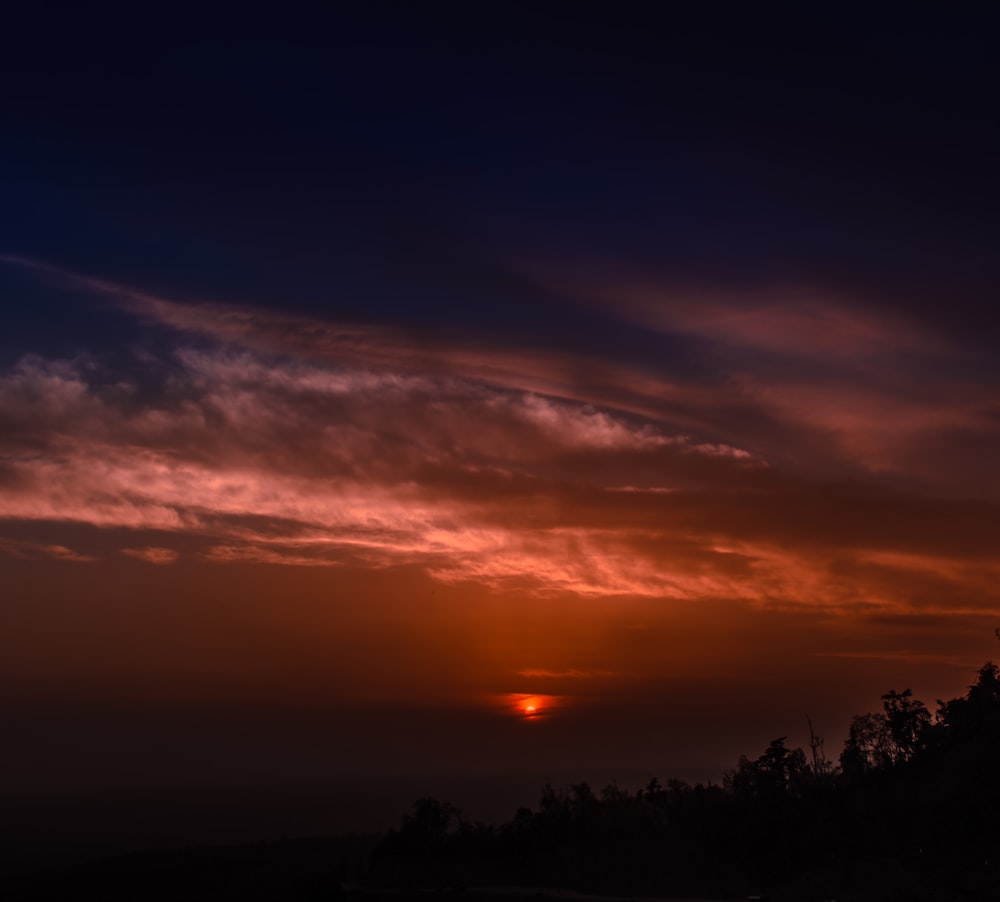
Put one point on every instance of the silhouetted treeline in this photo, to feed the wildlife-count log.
(910, 811)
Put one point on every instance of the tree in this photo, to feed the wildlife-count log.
(907, 720)
(774, 774)
(880, 741)
(430, 824)
(978, 712)
(868, 746)
(821, 765)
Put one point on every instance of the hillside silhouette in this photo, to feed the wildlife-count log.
(908, 811)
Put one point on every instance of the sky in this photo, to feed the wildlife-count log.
(409, 392)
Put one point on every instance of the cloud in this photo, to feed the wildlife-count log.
(62, 553)
(786, 319)
(25, 549)
(270, 438)
(383, 351)
(335, 465)
(153, 555)
(833, 382)
(572, 673)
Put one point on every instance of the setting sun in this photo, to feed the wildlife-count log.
(530, 707)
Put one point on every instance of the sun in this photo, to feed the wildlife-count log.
(530, 707)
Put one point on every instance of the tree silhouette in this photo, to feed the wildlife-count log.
(774, 774)
(978, 712)
(907, 720)
(868, 746)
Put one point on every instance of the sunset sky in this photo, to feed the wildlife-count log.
(367, 380)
